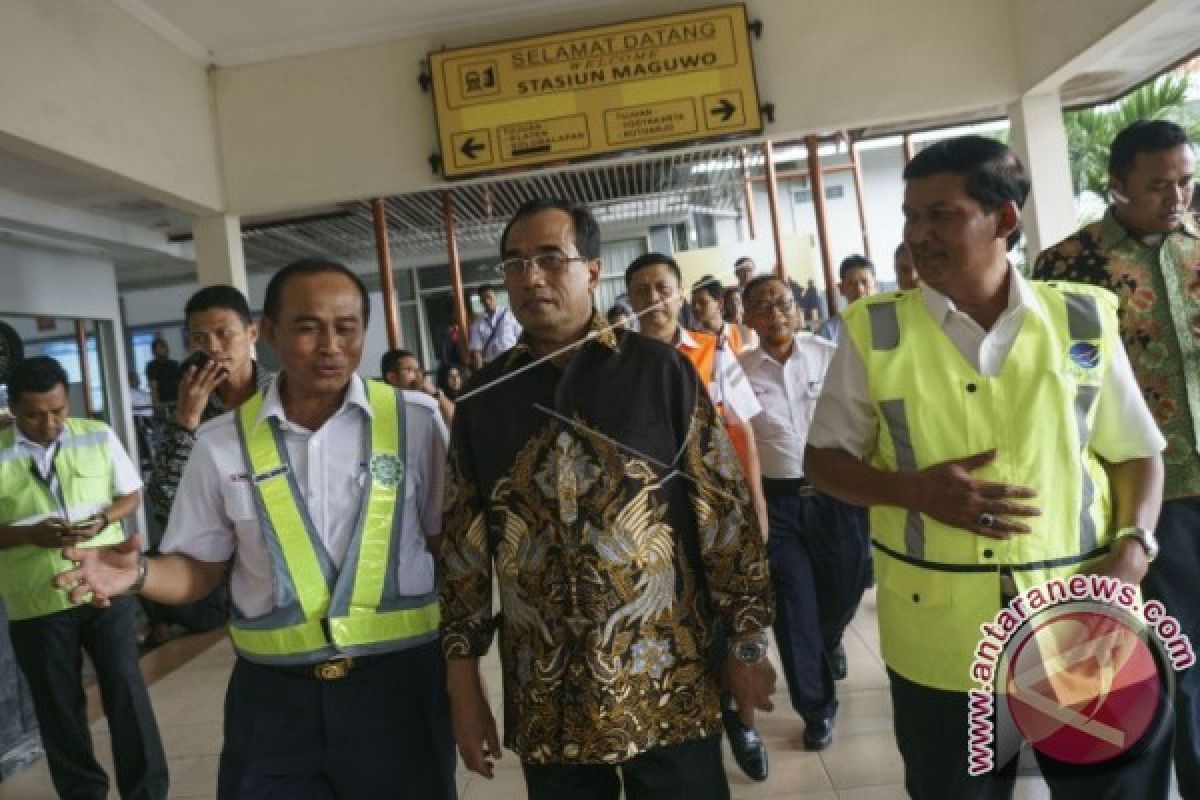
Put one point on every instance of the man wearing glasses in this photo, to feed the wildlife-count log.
(818, 570)
(590, 477)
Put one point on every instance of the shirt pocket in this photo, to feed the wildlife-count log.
(240, 502)
(91, 479)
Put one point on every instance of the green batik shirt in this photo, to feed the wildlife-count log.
(1159, 290)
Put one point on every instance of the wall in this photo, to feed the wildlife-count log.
(55, 284)
(88, 88)
(353, 123)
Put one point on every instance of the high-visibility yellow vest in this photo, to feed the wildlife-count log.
(938, 584)
(319, 611)
(84, 470)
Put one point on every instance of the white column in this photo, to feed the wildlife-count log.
(219, 255)
(1040, 140)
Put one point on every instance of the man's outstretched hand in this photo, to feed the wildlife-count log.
(101, 572)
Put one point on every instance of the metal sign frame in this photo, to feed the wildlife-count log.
(587, 93)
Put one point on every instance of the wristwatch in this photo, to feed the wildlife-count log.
(748, 651)
(140, 581)
(1145, 537)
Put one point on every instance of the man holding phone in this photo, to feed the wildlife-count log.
(63, 482)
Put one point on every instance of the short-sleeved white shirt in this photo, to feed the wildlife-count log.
(215, 518)
(495, 334)
(788, 394)
(1124, 428)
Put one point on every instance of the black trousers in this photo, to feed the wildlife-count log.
(50, 651)
(931, 734)
(1173, 579)
(383, 731)
(688, 771)
(818, 572)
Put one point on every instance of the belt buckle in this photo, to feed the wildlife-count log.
(333, 670)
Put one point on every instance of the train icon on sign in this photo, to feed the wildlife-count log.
(478, 79)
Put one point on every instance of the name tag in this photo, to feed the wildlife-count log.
(271, 473)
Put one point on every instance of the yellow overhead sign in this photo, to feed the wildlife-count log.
(584, 93)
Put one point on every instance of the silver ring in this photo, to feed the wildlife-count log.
(986, 519)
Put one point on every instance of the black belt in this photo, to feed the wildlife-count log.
(333, 669)
(787, 486)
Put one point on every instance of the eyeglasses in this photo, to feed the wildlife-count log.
(663, 290)
(548, 263)
(784, 307)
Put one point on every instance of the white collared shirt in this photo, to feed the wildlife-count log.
(215, 518)
(788, 394)
(845, 419)
(126, 478)
(729, 386)
(495, 334)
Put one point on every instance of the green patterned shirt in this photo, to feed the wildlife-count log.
(1159, 289)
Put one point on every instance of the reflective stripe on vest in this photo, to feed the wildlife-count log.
(938, 584)
(319, 611)
(84, 470)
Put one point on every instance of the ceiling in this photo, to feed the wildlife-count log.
(227, 32)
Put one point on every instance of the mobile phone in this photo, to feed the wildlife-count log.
(83, 524)
(197, 359)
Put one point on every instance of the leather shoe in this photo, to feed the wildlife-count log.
(818, 733)
(749, 750)
(837, 662)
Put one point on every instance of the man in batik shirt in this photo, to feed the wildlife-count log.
(590, 475)
(1147, 250)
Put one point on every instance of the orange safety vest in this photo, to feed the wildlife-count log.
(704, 358)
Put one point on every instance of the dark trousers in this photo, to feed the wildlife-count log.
(818, 573)
(383, 731)
(688, 771)
(1173, 579)
(50, 651)
(931, 734)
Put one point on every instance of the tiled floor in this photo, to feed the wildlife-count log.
(862, 764)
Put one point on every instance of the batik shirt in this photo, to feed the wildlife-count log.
(605, 499)
(1159, 291)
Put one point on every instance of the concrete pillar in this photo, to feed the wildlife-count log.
(1040, 140)
(219, 256)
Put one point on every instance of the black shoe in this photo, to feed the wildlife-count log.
(818, 733)
(837, 662)
(749, 750)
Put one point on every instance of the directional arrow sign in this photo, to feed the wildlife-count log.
(471, 148)
(725, 109)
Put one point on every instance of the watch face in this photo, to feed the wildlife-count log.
(11, 350)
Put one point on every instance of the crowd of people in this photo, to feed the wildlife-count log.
(648, 498)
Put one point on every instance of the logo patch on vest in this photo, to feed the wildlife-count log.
(387, 470)
(1085, 355)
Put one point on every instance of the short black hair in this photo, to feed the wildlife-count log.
(390, 362)
(711, 286)
(157, 341)
(757, 281)
(743, 260)
(35, 375)
(900, 248)
(219, 296)
(851, 263)
(487, 287)
(614, 312)
(994, 173)
(583, 223)
(310, 266)
(651, 260)
(1143, 136)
